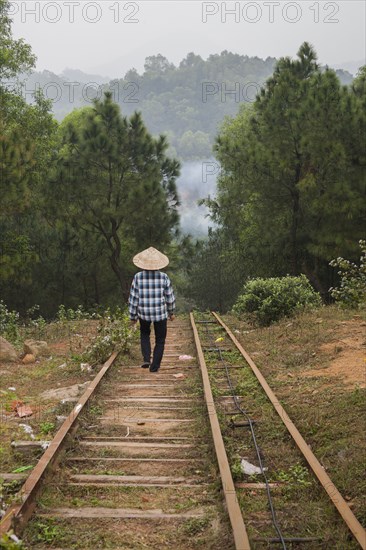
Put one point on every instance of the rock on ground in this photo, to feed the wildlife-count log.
(29, 358)
(36, 347)
(64, 393)
(7, 351)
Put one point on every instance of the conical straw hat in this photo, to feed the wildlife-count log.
(151, 259)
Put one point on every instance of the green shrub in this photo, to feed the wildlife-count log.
(69, 314)
(9, 323)
(267, 300)
(114, 333)
(352, 289)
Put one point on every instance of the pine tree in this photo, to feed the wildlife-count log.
(293, 173)
(114, 179)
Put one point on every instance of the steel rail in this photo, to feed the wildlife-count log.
(335, 496)
(250, 423)
(236, 518)
(18, 515)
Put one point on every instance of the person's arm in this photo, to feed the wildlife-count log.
(169, 298)
(133, 300)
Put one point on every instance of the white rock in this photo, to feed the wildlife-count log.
(28, 429)
(250, 469)
(85, 366)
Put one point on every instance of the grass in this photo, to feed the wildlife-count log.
(45, 530)
(195, 526)
(327, 412)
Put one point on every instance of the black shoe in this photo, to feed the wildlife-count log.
(154, 369)
(145, 365)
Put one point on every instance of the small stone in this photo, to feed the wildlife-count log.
(29, 358)
(85, 367)
(24, 410)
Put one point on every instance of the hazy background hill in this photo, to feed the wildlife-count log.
(187, 102)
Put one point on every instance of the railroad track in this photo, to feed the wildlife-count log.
(134, 466)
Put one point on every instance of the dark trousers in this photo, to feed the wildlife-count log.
(160, 329)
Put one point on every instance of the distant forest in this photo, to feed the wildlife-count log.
(187, 103)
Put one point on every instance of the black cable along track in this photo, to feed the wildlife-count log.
(251, 426)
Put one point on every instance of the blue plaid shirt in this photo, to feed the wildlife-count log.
(151, 296)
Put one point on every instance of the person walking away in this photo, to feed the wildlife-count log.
(151, 300)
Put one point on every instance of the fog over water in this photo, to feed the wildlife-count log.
(197, 181)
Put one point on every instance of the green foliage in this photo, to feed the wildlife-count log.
(46, 428)
(352, 289)
(114, 334)
(293, 171)
(23, 469)
(9, 323)
(47, 531)
(15, 55)
(267, 300)
(195, 526)
(113, 171)
(186, 102)
(195, 145)
(27, 144)
(10, 542)
(236, 469)
(215, 275)
(295, 475)
(69, 314)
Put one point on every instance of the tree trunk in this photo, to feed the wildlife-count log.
(115, 247)
(294, 259)
(312, 275)
(96, 288)
(119, 274)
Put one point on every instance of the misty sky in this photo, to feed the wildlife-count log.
(109, 37)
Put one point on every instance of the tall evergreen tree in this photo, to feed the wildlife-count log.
(15, 55)
(115, 180)
(289, 187)
(27, 142)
